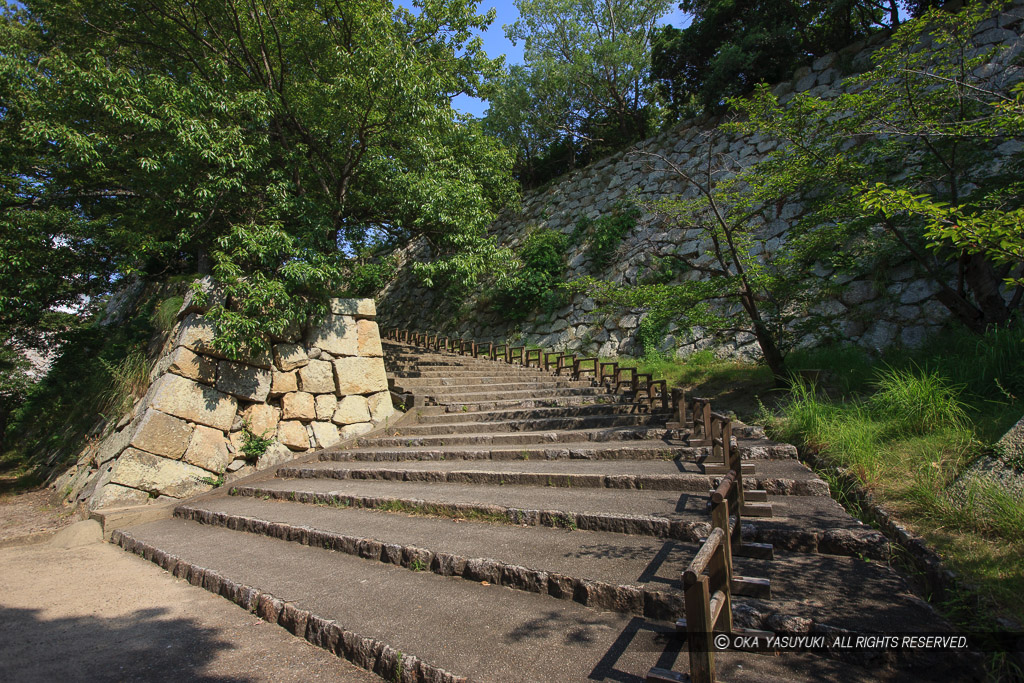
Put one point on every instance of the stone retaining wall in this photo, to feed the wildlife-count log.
(310, 391)
(875, 310)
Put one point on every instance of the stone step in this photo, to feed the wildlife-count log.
(592, 450)
(467, 395)
(419, 626)
(454, 438)
(782, 478)
(487, 382)
(489, 390)
(631, 574)
(800, 523)
(498, 403)
(545, 424)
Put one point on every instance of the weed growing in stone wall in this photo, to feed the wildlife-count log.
(519, 292)
(254, 445)
(603, 235)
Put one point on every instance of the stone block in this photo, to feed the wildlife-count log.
(289, 356)
(262, 419)
(247, 382)
(326, 434)
(298, 406)
(381, 407)
(208, 449)
(352, 431)
(162, 476)
(369, 339)
(352, 409)
(326, 405)
(360, 375)
(211, 293)
(196, 334)
(292, 434)
(184, 362)
(276, 454)
(317, 377)
(184, 398)
(283, 383)
(117, 496)
(337, 334)
(359, 307)
(161, 434)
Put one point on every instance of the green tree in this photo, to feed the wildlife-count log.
(732, 45)
(931, 113)
(587, 68)
(262, 141)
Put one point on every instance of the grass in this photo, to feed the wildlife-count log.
(909, 433)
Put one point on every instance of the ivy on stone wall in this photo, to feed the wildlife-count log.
(602, 235)
(520, 291)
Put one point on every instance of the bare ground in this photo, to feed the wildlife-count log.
(76, 608)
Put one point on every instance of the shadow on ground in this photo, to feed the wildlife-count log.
(145, 646)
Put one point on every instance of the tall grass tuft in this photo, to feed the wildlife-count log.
(916, 402)
(128, 380)
(165, 314)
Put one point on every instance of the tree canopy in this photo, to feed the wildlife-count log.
(584, 87)
(266, 142)
(732, 45)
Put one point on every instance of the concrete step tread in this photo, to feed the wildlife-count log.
(803, 586)
(543, 424)
(439, 414)
(792, 469)
(803, 513)
(602, 434)
(481, 632)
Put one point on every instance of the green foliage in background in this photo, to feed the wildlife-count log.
(535, 281)
(929, 113)
(156, 138)
(602, 236)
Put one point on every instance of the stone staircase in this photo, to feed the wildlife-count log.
(518, 526)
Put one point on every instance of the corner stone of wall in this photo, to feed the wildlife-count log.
(312, 390)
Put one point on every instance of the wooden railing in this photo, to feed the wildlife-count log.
(709, 581)
(644, 388)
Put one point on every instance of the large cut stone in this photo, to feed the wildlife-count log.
(369, 339)
(117, 496)
(352, 431)
(292, 434)
(381, 407)
(262, 419)
(360, 375)
(298, 406)
(161, 434)
(360, 307)
(182, 361)
(181, 397)
(326, 405)
(326, 434)
(317, 377)
(244, 381)
(205, 289)
(275, 454)
(159, 475)
(196, 333)
(337, 334)
(352, 409)
(283, 383)
(290, 356)
(208, 449)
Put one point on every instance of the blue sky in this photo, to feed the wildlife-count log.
(496, 44)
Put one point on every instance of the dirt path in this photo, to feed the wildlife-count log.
(76, 608)
(29, 514)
